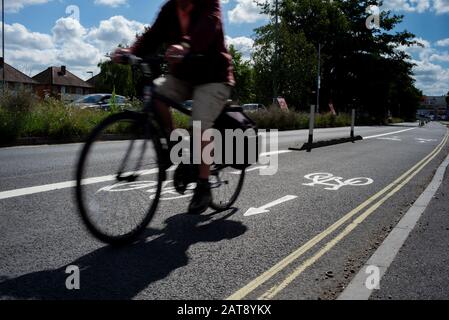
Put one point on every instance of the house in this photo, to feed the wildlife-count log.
(60, 83)
(16, 80)
(93, 81)
(433, 105)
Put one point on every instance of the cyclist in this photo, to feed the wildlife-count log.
(190, 28)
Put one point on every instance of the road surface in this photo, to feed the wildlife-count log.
(302, 239)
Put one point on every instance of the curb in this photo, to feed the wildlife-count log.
(325, 143)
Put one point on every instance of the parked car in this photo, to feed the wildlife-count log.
(188, 104)
(253, 107)
(101, 101)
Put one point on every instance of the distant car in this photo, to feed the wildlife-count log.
(188, 104)
(101, 101)
(253, 107)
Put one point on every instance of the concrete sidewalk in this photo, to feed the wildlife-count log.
(421, 268)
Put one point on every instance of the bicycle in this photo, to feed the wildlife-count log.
(119, 212)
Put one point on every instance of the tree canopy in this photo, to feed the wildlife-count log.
(360, 67)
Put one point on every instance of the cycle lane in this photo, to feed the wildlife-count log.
(209, 259)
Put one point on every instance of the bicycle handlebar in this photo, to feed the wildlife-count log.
(135, 60)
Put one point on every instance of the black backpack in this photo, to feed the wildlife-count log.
(233, 117)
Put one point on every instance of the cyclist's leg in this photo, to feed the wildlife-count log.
(174, 89)
(208, 102)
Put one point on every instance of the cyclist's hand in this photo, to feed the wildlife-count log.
(117, 56)
(175, 53)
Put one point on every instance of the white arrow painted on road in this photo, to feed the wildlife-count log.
(249, 170)
(263, 209)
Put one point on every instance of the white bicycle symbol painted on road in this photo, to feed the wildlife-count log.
(333, 182)
(168, 192)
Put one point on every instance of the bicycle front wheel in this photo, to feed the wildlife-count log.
(118, 180)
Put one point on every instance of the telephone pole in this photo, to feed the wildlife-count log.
(3, 45)
(318, 81)
(276, 53)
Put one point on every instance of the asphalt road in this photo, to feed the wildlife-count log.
(222, 255)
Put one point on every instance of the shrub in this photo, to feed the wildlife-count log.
(14, 108)
(291, 120)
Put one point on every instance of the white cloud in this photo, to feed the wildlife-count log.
(70, 44)
(442, 43)
(441, 6)
(430, 72)
(432, 79)
(246, 11)
(242, 44)
(439, 57)
(16, 35)
(116, 30)
(111, 3)
(17, 5)
(419, 6)
(67, 29)
(407, 5)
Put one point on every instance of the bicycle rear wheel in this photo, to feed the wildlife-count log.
(226, 184)
(118, 182)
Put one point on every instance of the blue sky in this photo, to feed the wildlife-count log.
(40, 33)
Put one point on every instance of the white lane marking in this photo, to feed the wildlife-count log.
(395, 138)
(70, 184)
(334, 183)
(388, 250)
(150, 187)
(251, 169)
(421, 140)
(387, 134)
(64, 185)
(263, 154)
(263, 209)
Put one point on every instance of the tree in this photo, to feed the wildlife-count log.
(243, 72)
(115, 77)
(447, 98)
(360, 67)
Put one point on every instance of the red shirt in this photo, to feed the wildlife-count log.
(184, 18)
(205, 36)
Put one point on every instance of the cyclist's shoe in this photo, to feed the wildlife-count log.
(201, 198)
(184, 174)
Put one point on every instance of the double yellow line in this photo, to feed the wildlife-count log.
(384, 195)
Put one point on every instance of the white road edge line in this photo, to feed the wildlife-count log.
(63, 185)
(385, 254)
(386, 134)
(70, 184)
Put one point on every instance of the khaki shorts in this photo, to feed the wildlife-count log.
(208, 99)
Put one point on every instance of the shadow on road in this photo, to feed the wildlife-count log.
(121, 273)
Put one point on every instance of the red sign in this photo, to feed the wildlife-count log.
(282, 103)
(331, 107)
